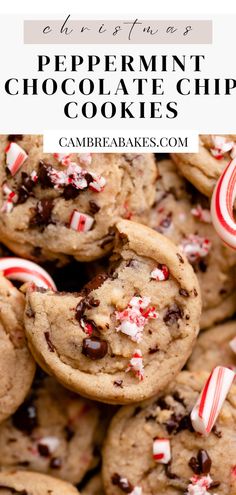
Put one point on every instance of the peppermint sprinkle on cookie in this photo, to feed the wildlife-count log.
(134, 318)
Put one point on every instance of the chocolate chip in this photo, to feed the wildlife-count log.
(202, 266)
(95, 283)
(25, 189)
(172, 423)
(161, 402)
(94, 348)
(169, 474)
(89, 178)
(118, 383)
(172, 315)
(122, 482)
(70, 192)
(204, 461)
(25, 418)
(69, 433)
(181, 259)
(43, 450)
(152, 350)
(178, 422)
(15, 137)
(29, 311)
(183, 292)
(194, 465)
(44, 176)
(55, 463)
(49, 342)
(42, 213)
(93, 207)
(195, 292)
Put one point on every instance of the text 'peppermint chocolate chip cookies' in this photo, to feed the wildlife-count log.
(54, 205)
(153, 447)
(127, 334)
(17, 367)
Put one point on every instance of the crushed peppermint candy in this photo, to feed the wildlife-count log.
(161, 450)
(202, 214)
(34, 176)
(195, 247)
(15, 157)
(77, 177)
(134, 318)
(63, 158)
(199, 486)
(10, 198)
(160, 273)
(85, 158)
(232, 344)
(81, 222)
(136, 364)
(50, 443)
(221, 146)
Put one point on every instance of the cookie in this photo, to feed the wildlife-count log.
(53, 206)
(54, 432)
(213, 348)
(182, 214)
(17, 367)
(94, 486)
(131, 463)
(126, 328)
(29, 483)
(204, 168)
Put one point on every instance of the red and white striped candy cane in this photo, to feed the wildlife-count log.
(222, 205)
(15, 157)
(211, 399)
(26, 271)
(81, 222)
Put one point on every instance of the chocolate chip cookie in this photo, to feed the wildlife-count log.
(54, 205)
(124, 337)
(182, 214)
(152, 447)
(203, 169)
(216, 346)
(54, 432)
(29, 483)
(17, 367)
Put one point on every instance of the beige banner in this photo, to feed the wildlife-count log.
(130, 31)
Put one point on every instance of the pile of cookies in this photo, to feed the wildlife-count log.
(118, 352)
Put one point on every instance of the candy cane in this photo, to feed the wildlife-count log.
(26, 271)
(161, 450)
(81, 222)
(222, 205)
(15, 157)
(212, 397)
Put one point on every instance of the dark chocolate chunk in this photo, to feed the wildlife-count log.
(122, 483)
(93, 207)
(194, 465)
(202, 266)
(94, 348)
(43, 450)
(172, 315)
(69, 433)
(49, 342)
(154, 349)
(70, 192)
(95, 283)
(25, 418)
(44, 176)
(118, 383)
(181, 259)
(15, 137)
(183, 293)
(25, 189)
(55, 463)
(204, 461)
(42, 214)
